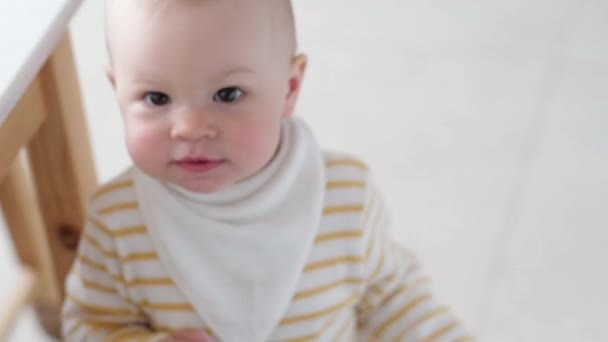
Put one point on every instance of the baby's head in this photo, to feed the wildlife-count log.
(203, 85)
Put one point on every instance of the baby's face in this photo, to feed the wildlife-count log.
(202, 88)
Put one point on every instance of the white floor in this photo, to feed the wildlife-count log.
(486, 124)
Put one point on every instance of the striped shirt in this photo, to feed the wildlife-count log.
(357, 284)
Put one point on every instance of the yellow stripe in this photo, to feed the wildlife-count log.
(118, 278)
(169, 329)
(367, 305)
(429, 315)
(311, 338)
(112, 187)
(346, 162)
(333, 185)
(113, 255)
(91, 285)
(441, 332)
(314, 315)
(139, 257)
(366, 310)
(377, 288)
(321, 289)
(95, 325)
(136, 230)
(92, 264)
(99, 309)
(150, 282)
(118, 233)
(397, 315)
(347, 234)
(115, 329)
(167, 306)
(343, 209)
(118, 207)
(108, 254)
(100, 226)
(332, 262)
(466, 339)
(136, 333)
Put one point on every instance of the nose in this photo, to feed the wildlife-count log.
(192, 126)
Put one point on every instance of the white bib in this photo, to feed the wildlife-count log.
(238, 254)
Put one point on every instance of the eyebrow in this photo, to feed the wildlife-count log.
(147, 83)
(235, 70)
(154, 82)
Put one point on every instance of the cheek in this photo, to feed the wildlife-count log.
(256, 142)
(145, 143)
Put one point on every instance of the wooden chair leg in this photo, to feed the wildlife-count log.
(61, 161)
(13, 303)
(20, 126)
(60, 156)
(30, 239)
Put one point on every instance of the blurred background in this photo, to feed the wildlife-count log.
(486, 125)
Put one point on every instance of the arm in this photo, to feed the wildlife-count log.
(397, 304)
(97, 306)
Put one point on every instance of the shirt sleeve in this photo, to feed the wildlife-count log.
(397, 304)
(97, 306)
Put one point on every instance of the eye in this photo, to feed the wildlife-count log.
(156, 98)
(228, 95)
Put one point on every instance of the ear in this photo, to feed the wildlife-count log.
(110, 75)
(296, 76)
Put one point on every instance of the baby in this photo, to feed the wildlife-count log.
(233, 225)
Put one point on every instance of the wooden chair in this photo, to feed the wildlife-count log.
(46, 169)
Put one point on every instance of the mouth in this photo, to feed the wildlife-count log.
(198, 165)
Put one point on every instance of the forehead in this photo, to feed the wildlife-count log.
(188, 33)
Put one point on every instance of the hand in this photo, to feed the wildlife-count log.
(189, 335)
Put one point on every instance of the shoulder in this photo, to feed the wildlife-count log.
(354, 214)
(119, 189)
(336, 160)
(348, 181)
(114, 208)
(344, 167)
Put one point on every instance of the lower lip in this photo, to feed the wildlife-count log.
(199, 167)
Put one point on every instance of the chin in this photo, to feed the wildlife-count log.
(205, 187)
